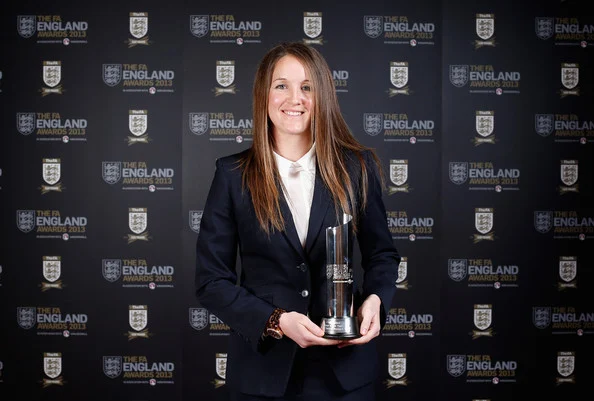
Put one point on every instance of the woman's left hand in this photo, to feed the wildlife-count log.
(369, 318)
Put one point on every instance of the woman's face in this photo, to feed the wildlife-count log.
(290, 99)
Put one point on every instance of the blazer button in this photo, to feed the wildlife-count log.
(302, 267)
(304, 293)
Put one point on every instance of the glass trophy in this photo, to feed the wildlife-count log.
(340, 321)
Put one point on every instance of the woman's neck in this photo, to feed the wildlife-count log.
(293, 147)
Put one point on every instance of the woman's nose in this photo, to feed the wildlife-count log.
(296, 96)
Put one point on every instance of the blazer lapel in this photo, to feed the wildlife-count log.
(319, 207)
(290, 231)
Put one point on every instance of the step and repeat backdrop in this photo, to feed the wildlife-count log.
(113, 116)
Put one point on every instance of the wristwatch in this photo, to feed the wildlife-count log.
(272, 326)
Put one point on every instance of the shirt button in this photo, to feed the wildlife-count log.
(304, 293)
(302, 267)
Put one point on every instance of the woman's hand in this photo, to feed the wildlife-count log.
(299, 328)
(369, 318)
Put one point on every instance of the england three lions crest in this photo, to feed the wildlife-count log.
(138, 224)
(544, 27)
(199, 25)
(399, 176)
(220, 369)
(544, 124)
(198, 318)
(541, 316)
(52, 367)
(456, 365)
(26, 25)
(26, 317)
(483, 222)
(565, 367)
(482, 319)
(312, 27)
(567, 272)
(457, 269)
(52, 75)
(225, 74)
(198, 123)
(111, 269)
(138, 125)
(396, 370)
(570, 75)
(458, 172)
(373, 123)
(51, 173)
(194, 220)
(112, 74)
(26, 123)
(138, 320)
(111, 172)
(373, 25)
(570, 78)
(459, 75)
(26, 220)
(138, 122)
(543, 221)
(399, 78)
(112, 366)
(484, 124)
(139, 25)
(485, 29)
(569, 176)
(52, 270)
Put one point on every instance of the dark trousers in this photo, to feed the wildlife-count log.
(313, 380)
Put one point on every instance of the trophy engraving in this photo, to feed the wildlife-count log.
(340, 321)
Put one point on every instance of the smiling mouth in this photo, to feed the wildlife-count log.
(293, 113)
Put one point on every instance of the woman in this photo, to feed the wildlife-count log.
(277, 350)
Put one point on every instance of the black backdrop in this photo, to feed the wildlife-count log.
(114, 114)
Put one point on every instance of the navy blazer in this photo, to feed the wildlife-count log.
(276, 271)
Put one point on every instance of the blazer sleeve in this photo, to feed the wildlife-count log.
(379, 256)
(216, 253)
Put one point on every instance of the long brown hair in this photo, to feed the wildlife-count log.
(330, 133)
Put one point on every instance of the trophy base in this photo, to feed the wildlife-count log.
(340, 328)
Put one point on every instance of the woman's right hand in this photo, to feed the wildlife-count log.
(299, 328)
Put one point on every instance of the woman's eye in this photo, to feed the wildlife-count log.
(306, 88)
(280, 86)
